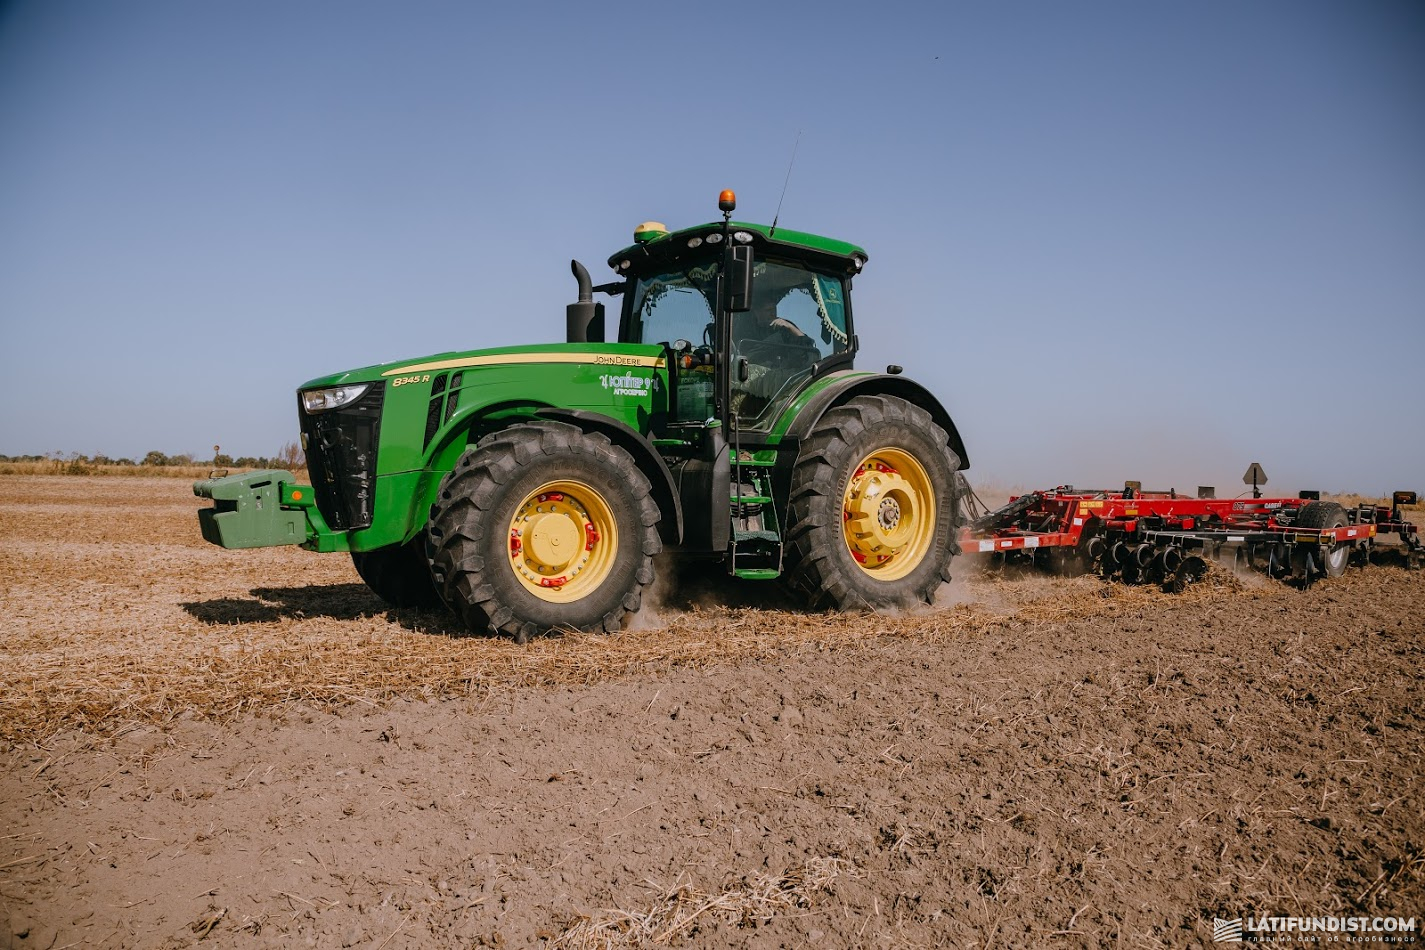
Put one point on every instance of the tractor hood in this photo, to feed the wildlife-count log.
(412, 418)
(609, 354)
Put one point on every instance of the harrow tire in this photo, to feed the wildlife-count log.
(820, 566)
(1327, 514)
(477, 568)
(399, 575)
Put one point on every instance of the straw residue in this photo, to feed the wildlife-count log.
(679, 909)
(120, 614)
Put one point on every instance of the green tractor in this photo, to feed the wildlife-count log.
(528, 488)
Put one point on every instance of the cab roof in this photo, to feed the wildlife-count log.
(798, 245)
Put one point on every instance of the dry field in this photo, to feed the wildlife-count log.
(246, 749)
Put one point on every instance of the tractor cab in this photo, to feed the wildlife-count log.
(747, 314)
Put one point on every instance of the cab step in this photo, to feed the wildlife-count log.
(756, 555)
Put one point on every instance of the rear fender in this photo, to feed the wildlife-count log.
(880, 384)
(842, 391)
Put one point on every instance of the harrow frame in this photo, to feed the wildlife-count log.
(1165, 537)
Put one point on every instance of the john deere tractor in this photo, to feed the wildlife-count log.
(528, 488)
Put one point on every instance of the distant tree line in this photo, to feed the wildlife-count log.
(290, 456)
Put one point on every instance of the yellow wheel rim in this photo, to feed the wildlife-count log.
(888, 514)
(563, 541)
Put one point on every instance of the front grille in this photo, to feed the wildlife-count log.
(341, 457)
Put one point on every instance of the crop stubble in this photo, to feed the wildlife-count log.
(1041, 759)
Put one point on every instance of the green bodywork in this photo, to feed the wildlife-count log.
(434, 408)
(497, 386)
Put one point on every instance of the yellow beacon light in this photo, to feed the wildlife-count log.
(727, 201)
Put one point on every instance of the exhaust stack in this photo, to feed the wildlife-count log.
(584, 319)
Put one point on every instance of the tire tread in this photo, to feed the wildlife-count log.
(816, 570)
(463, 516)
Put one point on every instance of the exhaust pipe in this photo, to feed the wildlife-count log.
(584, 319)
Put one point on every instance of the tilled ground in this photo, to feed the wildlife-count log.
(248, 750)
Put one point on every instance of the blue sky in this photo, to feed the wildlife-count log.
(1120, 240)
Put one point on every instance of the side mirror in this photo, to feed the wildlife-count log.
(739, 280)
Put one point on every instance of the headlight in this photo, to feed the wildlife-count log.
(322, 400)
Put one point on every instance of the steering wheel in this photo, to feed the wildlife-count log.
(781, 349)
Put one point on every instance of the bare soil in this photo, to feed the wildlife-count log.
(246, 749)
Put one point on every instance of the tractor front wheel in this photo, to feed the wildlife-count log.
(543, 526)
(399, 575)
(874, 512)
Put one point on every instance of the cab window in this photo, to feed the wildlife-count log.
(797, 319)
(674, 306)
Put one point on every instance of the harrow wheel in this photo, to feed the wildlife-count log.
(873, 510)
(1327, 514)
(544, 526)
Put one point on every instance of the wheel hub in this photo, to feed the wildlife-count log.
(562, 541)
(888, 514)
(1335, 557)
(553, 539)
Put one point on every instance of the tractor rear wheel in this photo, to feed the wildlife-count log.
(1327, 514)
(873, 511)
(399, 575)
(543, 526)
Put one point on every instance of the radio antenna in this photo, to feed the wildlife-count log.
(773, 229)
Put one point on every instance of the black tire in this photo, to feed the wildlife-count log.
(820, 566)
(474, 559)
(399, 575)
(1327, 514)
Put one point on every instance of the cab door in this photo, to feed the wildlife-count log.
(675, 311)
(796, 322)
